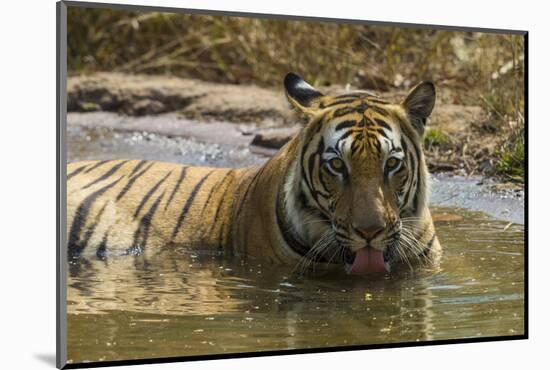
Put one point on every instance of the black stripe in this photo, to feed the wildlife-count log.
(381, 133)
(101, 252)
(178, 183)
(428, 248)
(287, 230)
(302, 159)
(306, 204)
(383, 124)
(91, 229)
(252, 183)
(341, 234)
(142, 233)
(131, 182)
(150, 193)
(351, 95)
(357, 144)
(408, 192)
(318, 207)
(323, 184)
(413, 169)
(322, 122)
(418, 159)
(403, 182)
(76, 172)
(214, 190)
(402, 190)
(216, 215)
(137, 167)
(338, 102)
(345, 124)
(366, 121)
(361, 108)
(106, 175)
(378, 101)
(379, 110)
(343, 137)
(220, 237)
(309, 180)
(404, 145)
(77, 266)
(343, 111)
(188, 204)
(376, 143)
(75, 248)
(311, 164)
(334, 150)
(98, 164)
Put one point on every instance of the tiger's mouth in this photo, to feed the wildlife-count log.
(367, 260)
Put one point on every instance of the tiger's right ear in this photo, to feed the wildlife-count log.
(419, 104)
(301, 94)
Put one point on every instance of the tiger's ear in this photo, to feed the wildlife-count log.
(301, 95)
(419, 104)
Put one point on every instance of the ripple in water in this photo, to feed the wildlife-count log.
(188, 303)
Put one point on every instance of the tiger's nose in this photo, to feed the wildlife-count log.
(369, 232)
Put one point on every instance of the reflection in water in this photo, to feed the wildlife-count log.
(192, 302)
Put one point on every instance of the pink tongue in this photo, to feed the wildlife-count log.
(368, 260)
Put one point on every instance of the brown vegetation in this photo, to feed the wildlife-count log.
(471, 69)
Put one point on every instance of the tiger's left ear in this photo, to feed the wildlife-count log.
(419, 104)
(301, 94)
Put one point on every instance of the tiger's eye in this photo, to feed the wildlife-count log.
(392, 163)
(336, 164)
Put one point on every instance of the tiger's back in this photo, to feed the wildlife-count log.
(137, 206)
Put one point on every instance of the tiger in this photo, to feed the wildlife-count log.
(350, 189)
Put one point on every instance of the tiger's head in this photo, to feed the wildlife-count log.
(357, 189)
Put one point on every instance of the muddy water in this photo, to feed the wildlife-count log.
(197, 303)
(183, 303)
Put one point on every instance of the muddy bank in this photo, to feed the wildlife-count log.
(170, 137)
(138, 95)
(465, 136)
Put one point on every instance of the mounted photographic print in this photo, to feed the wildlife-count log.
(239, 184)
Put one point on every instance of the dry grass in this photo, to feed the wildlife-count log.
(470, 68)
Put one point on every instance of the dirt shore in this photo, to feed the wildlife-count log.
(264, 115)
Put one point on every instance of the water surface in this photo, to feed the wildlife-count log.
(191, 303)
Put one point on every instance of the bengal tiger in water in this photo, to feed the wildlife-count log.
(351, 189)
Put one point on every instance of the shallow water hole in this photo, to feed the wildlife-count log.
(192, 303)
(195, 302)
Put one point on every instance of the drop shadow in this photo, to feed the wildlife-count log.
(47, 358)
